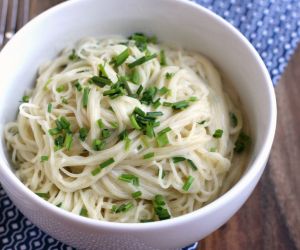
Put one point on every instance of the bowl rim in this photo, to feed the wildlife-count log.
(243, 182)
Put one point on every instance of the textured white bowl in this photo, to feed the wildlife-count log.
(176, 21)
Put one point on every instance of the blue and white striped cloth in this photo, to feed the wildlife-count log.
(272, 26)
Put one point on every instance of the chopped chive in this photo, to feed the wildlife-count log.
(100, 124)
(54, 131)
(133, 122)
(193, 99)
(130, 178)
(149, 155)
(233, 120)
(159, 200)
(25, 98)
(107, 163)
(139, 90)
(138, 111)
(169, 75)
(156, 103)
(96, 171)
(162, 56)
(60, 88)
(49, 107)
(105, 133)
(121, 58)
(139, 147)
(164, 90)
(136, 194)
(59, 204)
(102, 71)
(100, 81)
(64, 123)
(202, 122)
(83, 132)
(68, 141)
(192, 164)
(59, 141)
(188, 183)
(178, 159)
(148, 95)
(114, 124)
(83, 212)
(127, 144)
(135, 77)
(43, 195)
(154, 114)
(141, 60)
(167, 104)
(123, 135)
(149, 130)
(165, 130)
(98, 144)
(162, 140)
(64, 101)
(44, 158)
(180, 105)
(122, 208)
(242, 142)
(85, 97)
(78, 86)
(218, 133)
(73, 56)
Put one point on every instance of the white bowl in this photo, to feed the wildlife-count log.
(178, 21)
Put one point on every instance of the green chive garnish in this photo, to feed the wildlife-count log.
(139, 90)
(100, 81)
(114, 124)
(159, 208)
(130, 178)
(100, 124)
(163, 91)
(180, 105)
(98, 144)
(156, 103)
(122, 208)
(25, 98)
(135, 77)
(178, 159)
(105, 133)
(78, 86)
(85, 97)
(186, 186)
(169, 75)
(83, 132)
(162, 56)
(83, 212)
(242, 142)
(149, 155)
(68, 141)
(141, 60)
(107, 163)
(218, 133)
(73, 56)
(162, 138)
(202, 122)
(193, 99)
(192, 164)
(60, 88)
(167, 104)
(136, 194)
(49, 107)
(121, 58)
(212, 150)
(54, 131)
(165, 130)
(102, 71)
(127, 144)
(154, 114)
(133, 122)
(44, 158)
(43, 195)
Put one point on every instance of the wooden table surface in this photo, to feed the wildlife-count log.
(270, 219)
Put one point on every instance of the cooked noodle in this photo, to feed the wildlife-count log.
(65, 178)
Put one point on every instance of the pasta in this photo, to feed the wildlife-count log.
(128, 130)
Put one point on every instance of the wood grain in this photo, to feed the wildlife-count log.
(270, 219)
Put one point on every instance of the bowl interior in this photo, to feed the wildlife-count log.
(174, 21)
